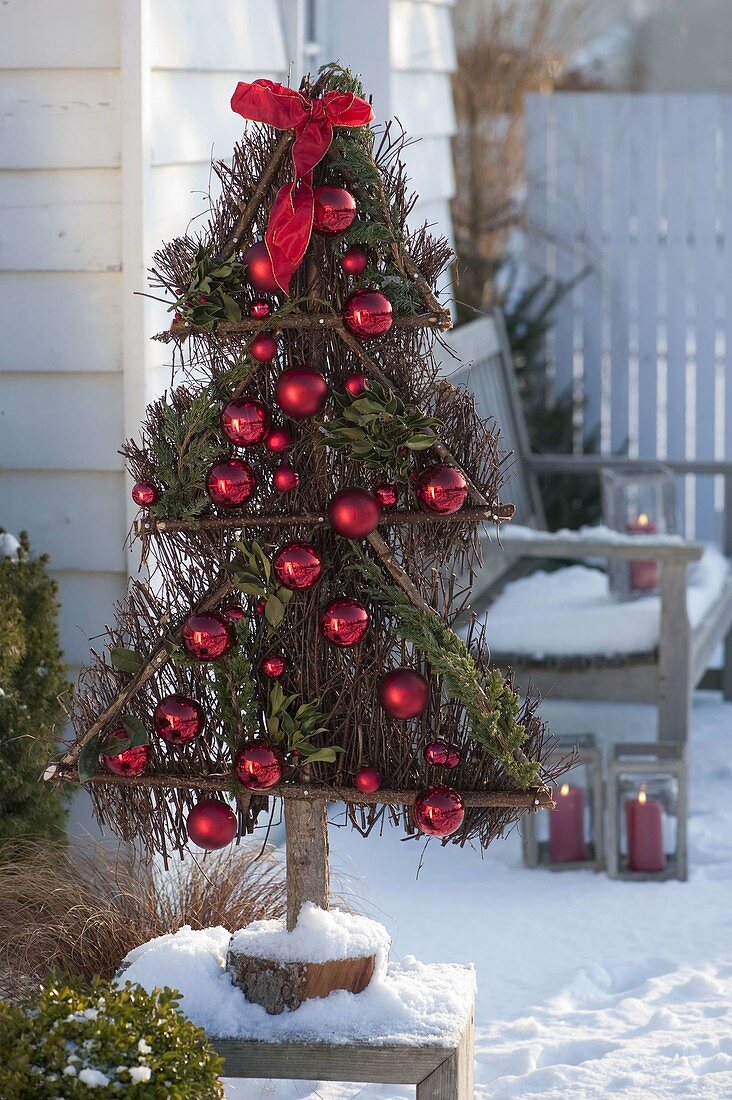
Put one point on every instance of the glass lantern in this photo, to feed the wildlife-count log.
(637, 500)
(647, 812)
(572, 835)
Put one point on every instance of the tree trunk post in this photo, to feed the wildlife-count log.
(306, 833)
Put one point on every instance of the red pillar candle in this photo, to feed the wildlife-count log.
(643, 574)
(644, 824)
(567, 826)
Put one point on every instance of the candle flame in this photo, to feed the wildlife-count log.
(642, 795)
(564, 790)
(643, 520)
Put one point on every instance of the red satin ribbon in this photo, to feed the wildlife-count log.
(291, 218)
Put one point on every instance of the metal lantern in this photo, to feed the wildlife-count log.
(639, 500)
(572, 835)
(647, 812)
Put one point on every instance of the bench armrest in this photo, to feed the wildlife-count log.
(590, 464)
(524, 542)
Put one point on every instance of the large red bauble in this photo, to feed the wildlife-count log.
(273, 665)
(301, 392)
(245, 421)
(259, 765)
(178, 719)
(259, 309)
(403, 693)
(259, 270)
(387, 493)
(278, 440)
(439, 811)
(334, 210)
(297, 565)
(230, 483)
(355, 384)
(367, 780)
(354, 512)
(354, 261)
(211, 824)
(344, 622)
(286, 479)
(436, 753)
(144, 493)
(131, 762)
(207, 636)
(441, 489)
(263, 348)
(367, 314)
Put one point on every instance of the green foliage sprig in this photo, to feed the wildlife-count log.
(212, 290)
(294, 727)
(238, 707)
(253, 574)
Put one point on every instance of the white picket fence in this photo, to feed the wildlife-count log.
(639, 189)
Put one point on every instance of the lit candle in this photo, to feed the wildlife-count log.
(643, 574)
(567, 826)
(644, 824)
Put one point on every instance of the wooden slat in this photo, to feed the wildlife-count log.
(421, 37)
(322, 1062)
(645, 139)
(726, 273)
(592, 158)
(430, 169)
(80, 34)
(537, 167)
(543, 544)
(239, 36)
(567, 231)
(618, 266)
(423, 103)
(705, 638)
(178, 195)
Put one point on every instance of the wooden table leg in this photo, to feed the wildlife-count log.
(453, 1078)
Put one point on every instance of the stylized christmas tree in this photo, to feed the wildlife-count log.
(311, 501)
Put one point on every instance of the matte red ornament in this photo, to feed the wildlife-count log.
(354, 512)
(367, 780)
(259, 271)
(439, 811)
(263, 348)
(454, 756)
(301, 392)
(245, 421)
(403, 693)
(286, 479)
(278, 440)
(178, 719)
(436, 753)
(211, 824)
(259, 309)
(259, 765)
(207, 636)
(333, 211)
(144, 493)
(354, 261)
(441, 489)
(355, 383)
(273, 665)
(230, 483)
(367, 314)
(297, 565)
(344, 622)
(132, 761)
(387, 493)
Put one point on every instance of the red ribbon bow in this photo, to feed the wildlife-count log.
(291, 218)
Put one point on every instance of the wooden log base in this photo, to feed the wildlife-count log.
(278, 986)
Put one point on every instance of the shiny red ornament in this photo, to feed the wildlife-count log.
(436, 753)
(454, 756)
(263, 348)
(354, 261)
(441, 489)
(144, 493)
(387, 493)
(368, 314)
(260, 606)
(130, 762)
(273, 665)
(286, 479)
(403, 693)
(334, 209)
(278, 440)
(259, 765)
(439, 811)
(367, 780)
(301, 392)
(297, 565)
(354, 512)
(233, 613)
(178, 719)
(259, 271)
(211, 824)
(259, 309)
(245, 421)
(355, 383)
(230, 483)
(344, 622)
(207, 636)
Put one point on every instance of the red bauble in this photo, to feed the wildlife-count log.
(260, 273)
(230, 483)
(454, 756)
(207, 636)
(259, 309)
(131, 762)
(403, 693)
(260, 606)
(441, 489)
(344, 622)
(354, 512)
(297, 565)
(439, 811)
(301, 392)
(334, 210)
(144, 493)
(245, 421)
(436, 753)
(233, 613)
(387, 493)
(367, 314)
(273, 665)
(286, 479)
(211, 824)
(356, 383)
(178, 719)
(278, 440)
(263, 348)
(354, 261)
(259, 765)
(367, 780)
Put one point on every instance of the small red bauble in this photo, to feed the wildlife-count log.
(245, 421)
(344, 622)
(211, 824)
(259, 270)
(387, 493)
(439, 811)
(436, 753)
(301, 392)
(144, 494)
(454, 756)
(207, 636)
(403, 693)
(233, 613)
(178, 719)
(297, 565)
(260, 606)
(263, 348)
(273, 665)
(132, 761)
(367, 314)
(259, 309)
(355, 384)
(441, 489)
(230, 483)
(286, 479)
(259, 765)
(334, 210)
(354, 512)
(354, 261)
(367, 780)
(278, 440)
